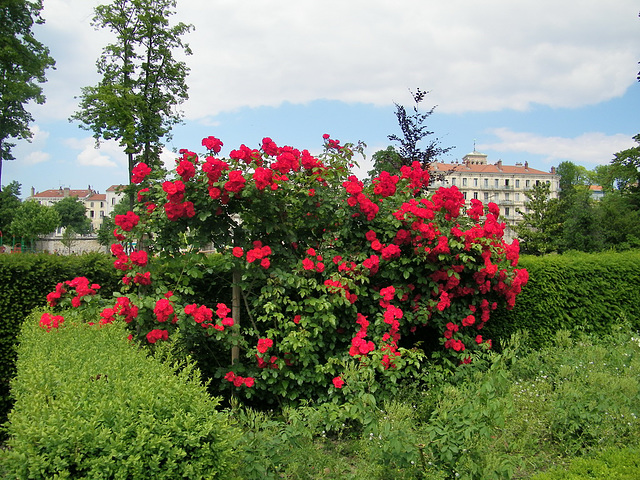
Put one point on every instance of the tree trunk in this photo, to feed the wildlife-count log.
(235, 313)
(131, 197)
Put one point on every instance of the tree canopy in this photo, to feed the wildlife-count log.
(23, 62)
(33, 220)
(142, 82)
(411, 146)
(9, 204)
(73, 215)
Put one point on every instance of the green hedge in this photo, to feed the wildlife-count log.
(584, 292)
(25, 281)
(89, 404)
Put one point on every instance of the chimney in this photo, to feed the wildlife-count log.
(33, 191)
(553, 170)
(67, 191)
(499, 165)
(526, 165)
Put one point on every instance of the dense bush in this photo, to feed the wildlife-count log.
(578, 292)
(24, 283)
(89, 404)
(332, 274)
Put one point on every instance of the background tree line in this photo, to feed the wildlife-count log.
(578, 220)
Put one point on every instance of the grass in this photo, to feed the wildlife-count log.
(512, 415)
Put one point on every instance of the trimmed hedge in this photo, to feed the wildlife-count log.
(89, 404)
(576, 292)
(25, 281)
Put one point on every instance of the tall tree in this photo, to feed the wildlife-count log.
(572, 177)
(9, 203)
(411, 145)
(541, 224)
(73, 214)
(33, 220)
(582, 228)
(142, 82)
(23, 62)
(628, 161)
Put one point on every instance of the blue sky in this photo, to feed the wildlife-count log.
(536, 80)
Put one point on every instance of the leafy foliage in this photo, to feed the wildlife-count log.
(108, 410)
(72, 214)
(142, 82)
(23, 278)
(540, 227)
(333, 282)
(23, 62)
(411, 146)
(33, 220)
(578, 221)
(9, 203)
(574, 292)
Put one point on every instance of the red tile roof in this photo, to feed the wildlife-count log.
(487, 168)
(60, 193)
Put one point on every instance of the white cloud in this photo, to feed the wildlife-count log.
(108, 154)
(36, 157)
(473, 56)
(588, 149)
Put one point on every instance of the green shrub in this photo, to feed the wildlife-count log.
(612, 464)
(577, 292)
(25, 281)
(91, 405)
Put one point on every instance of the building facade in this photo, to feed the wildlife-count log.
(97, 205)
(504, 185)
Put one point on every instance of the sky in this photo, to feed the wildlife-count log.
(542, 81)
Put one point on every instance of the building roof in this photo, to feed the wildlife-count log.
(115, 188)
(61, 193)
(497, 168)
(97, 197)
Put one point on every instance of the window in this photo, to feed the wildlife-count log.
(464, 182)
(91, 204)
(495, 183)
(486, 183)
(537, 183)
(475, 182)
(465, 195)
(517, 197)
(528, 183)
(517, 183)
(101, 214)
(506, 211)
(506, 182)
(101, 204)
(475, 195)
(506, 196)
(486, 196)
(91, 213)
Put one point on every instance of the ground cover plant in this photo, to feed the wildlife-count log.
(573, 405)
(332, 276)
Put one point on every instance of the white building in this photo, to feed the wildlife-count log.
(505, 185)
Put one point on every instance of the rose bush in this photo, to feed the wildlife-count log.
(326, 269)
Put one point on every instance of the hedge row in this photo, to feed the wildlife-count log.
(585, 292)
(25, 281)
(589, 292)
(90, 404)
